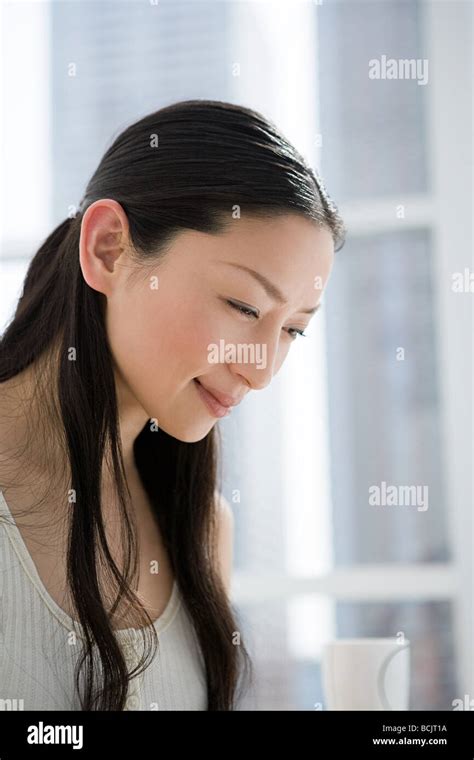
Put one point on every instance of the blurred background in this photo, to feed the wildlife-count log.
(381, 391)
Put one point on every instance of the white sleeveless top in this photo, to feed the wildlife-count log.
(40, 644)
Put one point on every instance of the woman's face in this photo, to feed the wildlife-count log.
(174, 325)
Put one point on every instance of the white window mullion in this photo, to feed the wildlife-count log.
(357, 583)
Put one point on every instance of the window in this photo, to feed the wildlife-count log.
(390, 376)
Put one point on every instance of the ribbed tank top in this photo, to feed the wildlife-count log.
(40, 644)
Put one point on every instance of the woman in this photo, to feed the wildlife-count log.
(201, 227)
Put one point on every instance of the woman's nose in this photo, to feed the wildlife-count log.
(259, 372)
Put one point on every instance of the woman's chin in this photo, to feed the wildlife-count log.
(189, 433)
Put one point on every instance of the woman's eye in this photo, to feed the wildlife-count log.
(293, 332)
(246, 310)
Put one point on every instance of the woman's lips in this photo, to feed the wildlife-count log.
(217, 409)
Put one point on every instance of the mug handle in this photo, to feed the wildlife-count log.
(382, 672)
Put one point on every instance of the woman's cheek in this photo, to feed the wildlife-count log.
(183, 344)
(203, 327)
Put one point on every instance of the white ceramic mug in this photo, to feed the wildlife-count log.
(366, 674)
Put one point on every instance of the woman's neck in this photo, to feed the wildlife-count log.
(32, 438)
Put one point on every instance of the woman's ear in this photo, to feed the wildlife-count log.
(103, 241)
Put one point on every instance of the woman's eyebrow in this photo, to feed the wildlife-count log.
(271, 289)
